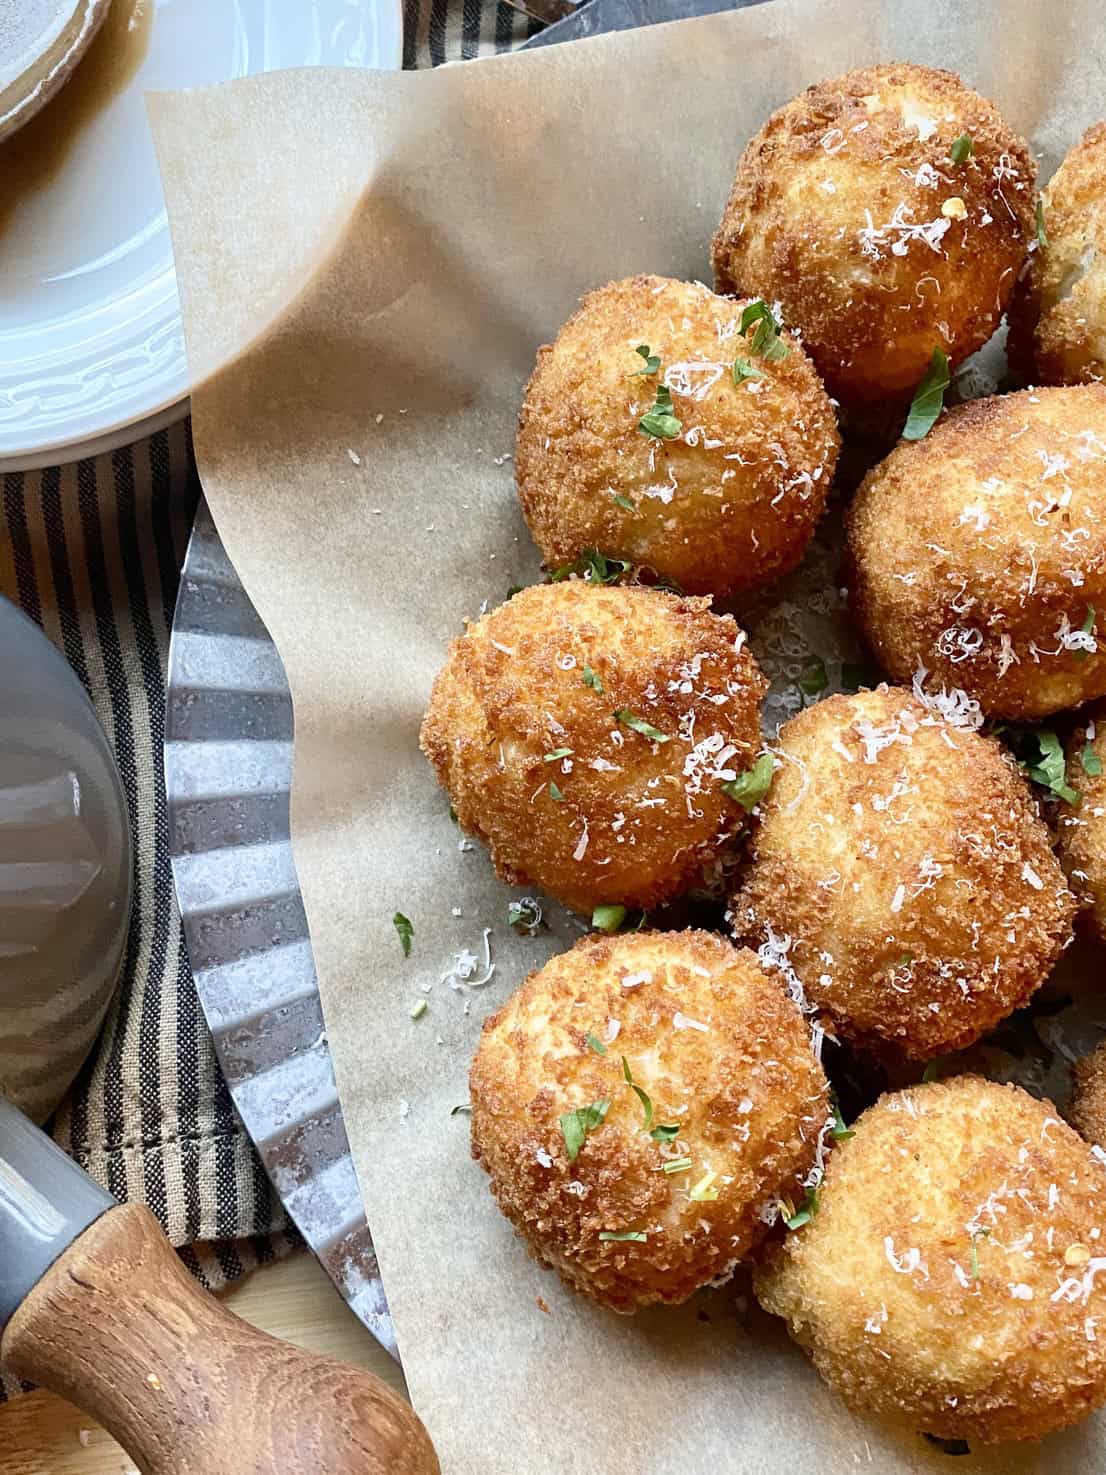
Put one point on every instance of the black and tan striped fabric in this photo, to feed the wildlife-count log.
(436, 31)
(92, 552)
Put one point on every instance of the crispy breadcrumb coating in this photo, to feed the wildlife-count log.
(901, 874)
(952, 1277)
(724, 1058)
(534, 728)
(979, 553)
(1082, 827)
(1058, 316)
(728, 503)
(849, 211)
(1087, 1112)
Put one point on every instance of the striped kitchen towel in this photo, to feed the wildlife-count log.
(436, 31)
(92, 551)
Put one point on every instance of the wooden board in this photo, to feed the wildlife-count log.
(43, 1435)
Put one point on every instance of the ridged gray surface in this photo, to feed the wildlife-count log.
(228, 768)
(65, 870)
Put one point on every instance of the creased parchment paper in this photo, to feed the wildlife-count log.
(373, 259)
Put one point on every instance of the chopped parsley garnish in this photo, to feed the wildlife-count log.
(750, 787)
(575, 1125)
(1041, 754)
(961, 150)
(929, 398)
(1090, 762)
(652, 362)
(592, 679)
(677, 1165)
(932, 1071)
(661, 421)
(608, 918)
(1042, 234)
(595, 1043)
(641, 1094)
(557, 754)
(555, 793)
(639, 724)
(623, 501)
(805, 1212)
(513, 590)
(665, 1132)
(406, 931)
(814, 677)
(840, 1132)
(613, 917)
(979, 1234)
(1086, 628)
(704, 1192)
(524, 915)
(457, 1110)
(765, 342)
(623, 1236)
(419, 1009)
(453, 814)
(594, 566)
(745, 369)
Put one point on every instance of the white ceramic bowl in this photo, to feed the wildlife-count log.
(91, 349)
(41, 41)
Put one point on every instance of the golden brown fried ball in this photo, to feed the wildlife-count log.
(951, 1278)
(584, 734)
(728, 503)
(849, 211)
(730, 1099)
(1058, 317)
(901, 871)
(1082, 826)
(979, 553)
(1087, 1112)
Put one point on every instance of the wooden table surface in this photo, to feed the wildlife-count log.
(43, 1435)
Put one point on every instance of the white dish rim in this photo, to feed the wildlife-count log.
(168, 410)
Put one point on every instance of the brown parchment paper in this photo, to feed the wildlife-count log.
(367, 264)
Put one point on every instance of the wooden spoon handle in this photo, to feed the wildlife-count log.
(121, 1329)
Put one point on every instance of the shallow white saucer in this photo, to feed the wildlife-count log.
(91, 349)
(41, 41)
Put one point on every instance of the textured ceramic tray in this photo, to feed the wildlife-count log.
(228, 772)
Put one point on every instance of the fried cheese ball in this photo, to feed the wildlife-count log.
(646, 1189)
(1087, 1112)
(727, 502)
(850, 211)
(1058, 317)
(1082, 826)
(950, 1280)
(584, 734)
(979, 553)
(901, 873)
